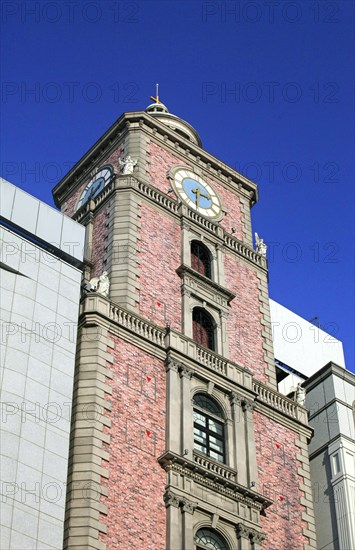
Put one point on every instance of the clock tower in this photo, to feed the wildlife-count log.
(179, 438)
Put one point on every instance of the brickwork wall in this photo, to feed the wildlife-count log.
(276, 452)
(159, 257)
(136, 518)
(244, 318)
(160, 163)
(99, 242)
(71, 202)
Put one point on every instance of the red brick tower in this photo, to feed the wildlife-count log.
(180, 439)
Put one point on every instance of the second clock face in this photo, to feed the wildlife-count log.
(197, 194)
(95, 185)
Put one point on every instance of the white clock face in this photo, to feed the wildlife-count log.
(95, 185)
(197, 194)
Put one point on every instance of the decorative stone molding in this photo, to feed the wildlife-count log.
(215, 467)
(186, 372)
(257, 537)
(266, 398)
(188, 506)
(171, 364)
(243, 531)
(248, 405)
(188, 216)
(195, 283)
(171, 499)
(201, 475)
(237, 399)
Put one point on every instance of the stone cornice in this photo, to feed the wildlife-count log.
(186, 353)
(227, 487)
(141, 121)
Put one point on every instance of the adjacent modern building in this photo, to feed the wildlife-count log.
(331, 402)
(40, 277)
(307, 355)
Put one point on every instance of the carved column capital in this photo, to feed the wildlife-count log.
(188, 506)
(248, 405)
(171, 499)
(185, 371)
(235, 398)
(249, 533)
(185, 225)
(244, 402)
(172, 364)
(186, 291)
(242, 531)
(257, 537)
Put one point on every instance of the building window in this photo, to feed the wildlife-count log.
(207, 539)
(208, 427)
(203, 328)
(201, 259)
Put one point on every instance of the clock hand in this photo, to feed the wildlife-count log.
(206, 196)
(197, 192)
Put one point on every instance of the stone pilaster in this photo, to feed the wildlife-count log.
(173, 404)
(268, 346)
(187, 509)
(122, 246)
(246, 220)
(186, 410)
(85, 474)
(173, 532)
(305, 485)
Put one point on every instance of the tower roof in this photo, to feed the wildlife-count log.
(183, 128)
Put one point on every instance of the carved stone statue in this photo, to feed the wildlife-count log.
(101, 284)
(300, 395)
(128, 165)
(261, 247)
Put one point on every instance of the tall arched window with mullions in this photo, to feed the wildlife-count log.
(201, 259)
(203, 328)
(209, 429)
(208, 539)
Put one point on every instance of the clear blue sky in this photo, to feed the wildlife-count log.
(268, 86)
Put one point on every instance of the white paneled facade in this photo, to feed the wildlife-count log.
(331, 403)
(40, 291)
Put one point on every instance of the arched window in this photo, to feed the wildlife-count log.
(207, 539)
(203, 328)
(201, 259)
(208, 427)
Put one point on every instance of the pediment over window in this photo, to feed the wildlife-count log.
(204, 288)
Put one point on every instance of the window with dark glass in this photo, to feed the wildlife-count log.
(203, 328)
(208, 427)
(201, 259)
(208, 539)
